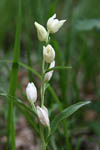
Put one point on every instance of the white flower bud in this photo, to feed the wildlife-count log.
(48, 75)
(48, 53)
(42, 113)
(31, 92)
(53, 25)
(41, 32)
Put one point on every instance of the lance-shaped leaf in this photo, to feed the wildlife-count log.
(65, 114)
(27, 111)
(59, 68)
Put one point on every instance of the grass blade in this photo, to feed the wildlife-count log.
(13, 83)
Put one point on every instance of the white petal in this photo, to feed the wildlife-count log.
(48, 53)
(49, 74)
(31, 92)
(41, 32)
(51, 18)
(43, 115)
(53, 25)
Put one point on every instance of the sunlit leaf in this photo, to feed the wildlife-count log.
(87, 24)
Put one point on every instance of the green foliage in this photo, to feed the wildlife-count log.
(77, 45)
(13, 83)
(65, 114)
(86, 25)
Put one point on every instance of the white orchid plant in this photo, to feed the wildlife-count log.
(53, 25)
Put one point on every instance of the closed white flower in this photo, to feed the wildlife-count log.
(41, 32)
(42, 113)
(48, 75)
(31, 92)
(53, 25)
(48, 53)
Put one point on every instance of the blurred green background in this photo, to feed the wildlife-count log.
(77, 44)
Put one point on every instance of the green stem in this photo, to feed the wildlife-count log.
(42, 138)
(42, 86)
(68, 146)
(42, 103)
(34, 108)
(44, 144)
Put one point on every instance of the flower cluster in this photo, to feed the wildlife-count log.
(53, 25)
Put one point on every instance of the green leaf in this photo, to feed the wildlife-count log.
(3, 94)
(58, 67)
(87, 24)
(52, 92)
(27, 112)
(19, 102)
(24, 66)
(65, 114)
(29, 117)
(30, 69)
